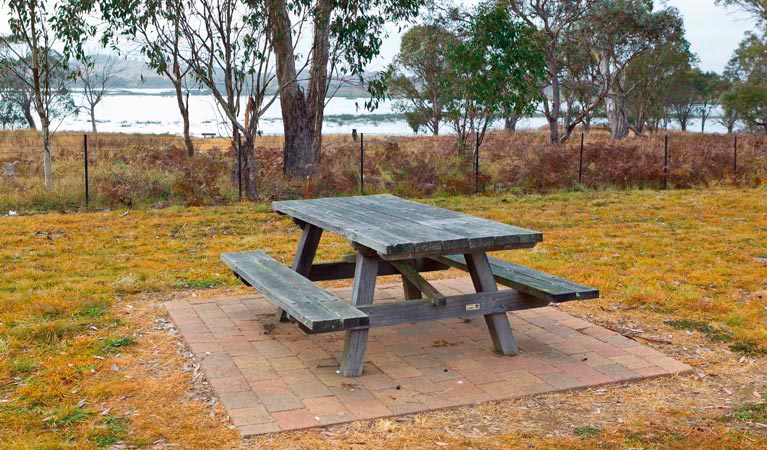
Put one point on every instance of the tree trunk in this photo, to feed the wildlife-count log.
(616, 110)
(28, 115)
(511, 122)
(47, 168)
(318, 81)
(297, 152)
(552, 112)
(93, 117)
(183, 108)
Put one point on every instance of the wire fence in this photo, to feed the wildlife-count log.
(145, 169)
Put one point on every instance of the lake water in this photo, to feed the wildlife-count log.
(155, 111)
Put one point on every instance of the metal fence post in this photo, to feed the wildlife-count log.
(85, 154)
(580, 163)
(362, 163)
(239, 165)
(476, 164)
(665, 162)
(735, 157)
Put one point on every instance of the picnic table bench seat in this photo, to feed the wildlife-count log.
(529, 281)
(315, 309)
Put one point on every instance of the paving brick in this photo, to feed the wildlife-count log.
(275, 386)
(281, 402)
(560, 381)
(585, 373)
(437, 374)
(618, 372)
(419, 385)
(239, 400)
(534, 364)
(669, 364)
(377, 381)
(406, 349)
(286, 363)
(401, 371)
(651, 371)
(630, 361)
(310, 389)
(295, 419)
(229, 384)
(249, 415)
(479, 376)
(368, 409)
(258, 429)
(272, 349)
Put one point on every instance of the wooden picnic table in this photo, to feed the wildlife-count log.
(396, 236)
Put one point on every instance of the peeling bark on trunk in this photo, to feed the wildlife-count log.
(511, 122)
(183, 108)
(297, 152)
(616, 110)
(552, 113)
(28, 115)
(318, 81)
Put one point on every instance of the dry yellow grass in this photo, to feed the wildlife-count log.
(82, 365)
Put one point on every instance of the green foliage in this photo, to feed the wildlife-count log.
(587, 431)
(417, 76)
(494, 71)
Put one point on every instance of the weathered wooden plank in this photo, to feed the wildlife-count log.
(317, 309)
(497, 323)
(355, 341)
(423, 239)
(411, 274)
(480, 232)
(468, 305)
(345, 270)
(302, 262)
(402, 229)
(529, 281)
(409, 221)
(363, 232)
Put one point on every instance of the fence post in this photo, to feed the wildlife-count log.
(665, 162)
(239, 165)
(580, 163)
(476, 164)
(362, 163)
(85, 154)
(735, 158)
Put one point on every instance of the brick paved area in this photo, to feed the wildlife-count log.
(272, 377)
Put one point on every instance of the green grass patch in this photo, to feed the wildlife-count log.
(712, 332)
(748, 348)
(587, 431)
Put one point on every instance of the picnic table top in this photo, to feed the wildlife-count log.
(398, 229)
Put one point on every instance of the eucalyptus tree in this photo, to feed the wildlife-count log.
(227, 46)
(651, 75)
(95, 75)
(417, 76)
(16, 97)
(153, 25)
(346, 36)
(494, 70)
(747, 71)
(553, 20)
(617, 32)
(28, 54)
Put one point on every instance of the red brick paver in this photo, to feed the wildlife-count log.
(272, 377)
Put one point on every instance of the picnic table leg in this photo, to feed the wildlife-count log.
(302, 263)
(497, 324)
(356, 341)
(411, 290)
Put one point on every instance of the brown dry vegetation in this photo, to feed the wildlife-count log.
(88, 359)
(139, 170)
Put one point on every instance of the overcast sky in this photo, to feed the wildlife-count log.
(713, 32)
